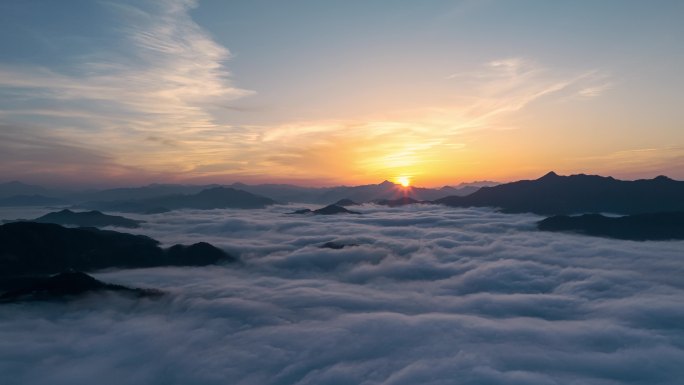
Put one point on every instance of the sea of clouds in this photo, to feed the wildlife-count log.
(426, 295)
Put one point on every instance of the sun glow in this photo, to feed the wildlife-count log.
(404, 181)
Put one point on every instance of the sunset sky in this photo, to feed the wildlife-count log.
(110, 93)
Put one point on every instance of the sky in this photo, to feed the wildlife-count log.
(112, 93)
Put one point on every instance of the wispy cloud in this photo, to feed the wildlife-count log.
(148, 102)
(594, 91)
(157, 81)
(425, 138)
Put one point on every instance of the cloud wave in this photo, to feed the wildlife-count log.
(427, 295)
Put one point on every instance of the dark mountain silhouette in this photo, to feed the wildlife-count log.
(554, 194)
(62, 286)
(86, 219)
(200, 254)
(638, 227)
(333, 209)
(29, 248)
(398, 202)
(213, 198)
(327, 210)
(31, 200)
(219, 197)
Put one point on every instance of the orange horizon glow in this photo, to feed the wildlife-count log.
(203, 115)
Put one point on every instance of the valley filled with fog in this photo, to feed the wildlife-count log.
(419, 294)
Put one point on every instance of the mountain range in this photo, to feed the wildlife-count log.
(212, 198)
(30, 248)
(638, 227)
(62, 286)
(21, 194)
(553, 194)
(363, 194)
(83, 219)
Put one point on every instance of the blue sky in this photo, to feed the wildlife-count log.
(328, 92)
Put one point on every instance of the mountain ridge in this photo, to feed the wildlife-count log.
(553, 194)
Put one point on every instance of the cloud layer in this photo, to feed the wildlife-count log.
(429, 295)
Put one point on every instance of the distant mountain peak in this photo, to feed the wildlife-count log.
(386, 183)
(550, 175)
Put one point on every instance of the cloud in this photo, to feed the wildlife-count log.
(150, 99)
(29, 153)
(429, 295)
(424, 139)
(594, 91)
(157, 76)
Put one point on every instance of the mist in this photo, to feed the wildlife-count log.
(421, 294)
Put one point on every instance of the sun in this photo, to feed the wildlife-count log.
(404, 181)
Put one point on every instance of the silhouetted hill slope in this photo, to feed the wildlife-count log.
(61, 286)
(327, 210)
(638, 227)
(199, 254)
(46, 248)
(31, 200)
(554, 194)
(333, 209)
(213, 198)
(86, 219)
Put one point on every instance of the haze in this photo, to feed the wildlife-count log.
(96, 94)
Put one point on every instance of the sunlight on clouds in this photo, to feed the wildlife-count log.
(591, 92)
(158, 85)
(427, 142)
(149, 108)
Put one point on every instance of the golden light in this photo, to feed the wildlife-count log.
(404, 181)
